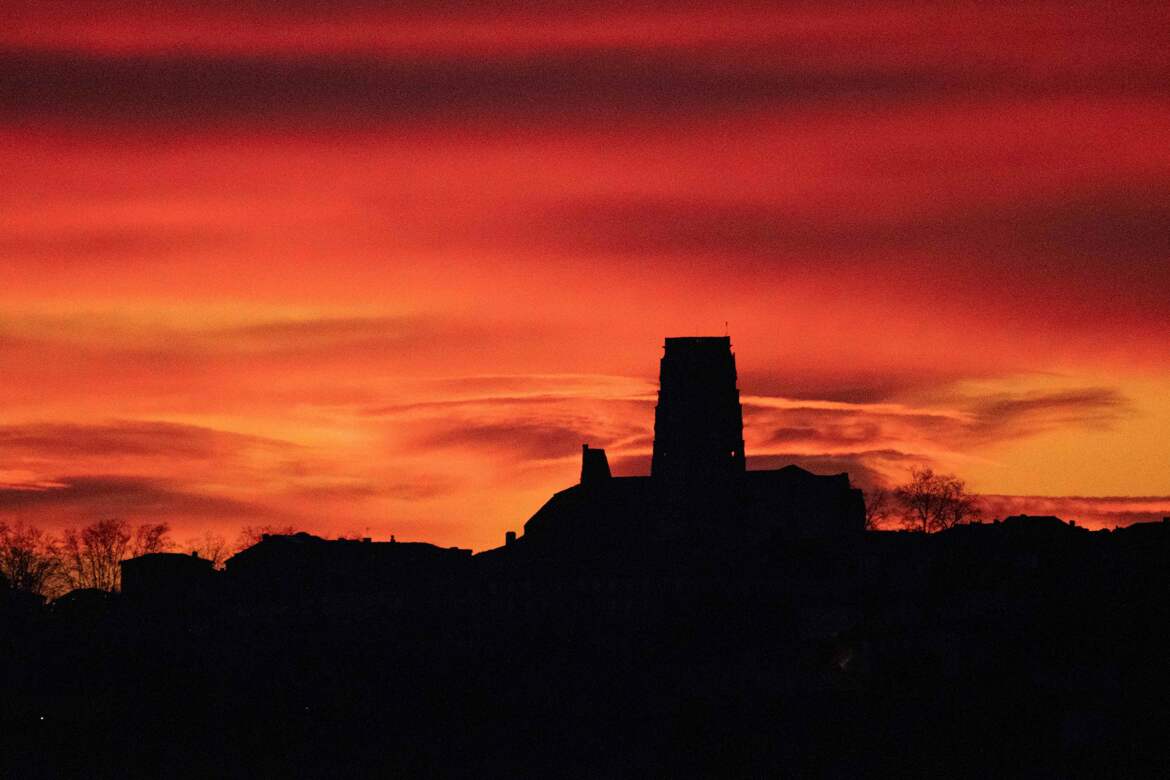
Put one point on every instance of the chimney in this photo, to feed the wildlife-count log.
(509, 537)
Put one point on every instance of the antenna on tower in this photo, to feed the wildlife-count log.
(726, 329)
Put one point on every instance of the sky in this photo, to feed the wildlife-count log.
(367, 268)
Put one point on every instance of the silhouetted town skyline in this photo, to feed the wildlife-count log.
(706, 619)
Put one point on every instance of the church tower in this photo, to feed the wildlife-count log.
(698, 423)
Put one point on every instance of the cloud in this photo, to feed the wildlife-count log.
(948, 419)
(848, 429)
(330, 334)
(630, 395)
(513, 401)
(341, 91)
(97, 495)
(629, 465)
(420, 487)
(970, 33)
(1083, 242)
(68, 246)
(118, 440)
(846, 384)
(288, 360)
(542, 427)
(1006, 416)
(126, 438)
(556, 72)
(186, 475)
(846, 425)
(853, 434)
(516, 440)
(866, 468)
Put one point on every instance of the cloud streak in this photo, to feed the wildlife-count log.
(124, 438)
(971, 421)
(82, 499)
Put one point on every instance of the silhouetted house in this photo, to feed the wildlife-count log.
(18, 605)
(167, 577)
(1148, 533)
(83, 604)
(299, 565)
(1035, 524)
(1143, 548)
(990, 554)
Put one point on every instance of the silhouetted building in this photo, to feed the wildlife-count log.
(698, 422)
(17, 604)
(699, 496)
(637, 618)
(757, 508)
(83, 603)
(166, 576)
(297, 564)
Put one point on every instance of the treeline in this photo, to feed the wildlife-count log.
(50, 565)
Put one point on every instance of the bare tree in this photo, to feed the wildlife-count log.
(150, 538)
(30, 560)
(210, 546)
(934, 502)
(252, 534)
(878, 507)
(962, 507)
(92, 557)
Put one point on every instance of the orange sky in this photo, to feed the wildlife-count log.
(363, 270)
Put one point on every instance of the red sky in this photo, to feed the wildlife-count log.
(383, 271)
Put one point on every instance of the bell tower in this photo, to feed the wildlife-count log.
(698, 423)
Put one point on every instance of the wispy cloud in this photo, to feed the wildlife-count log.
(866, 468)
(125, 438)
(1007, 416)
(84, 498)
(972, 420)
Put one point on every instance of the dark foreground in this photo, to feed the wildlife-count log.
(994, 650)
